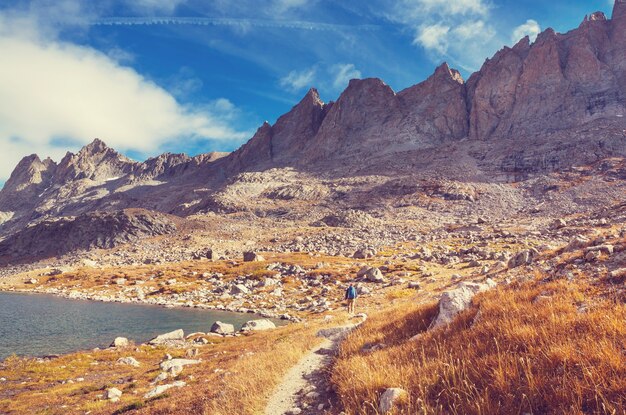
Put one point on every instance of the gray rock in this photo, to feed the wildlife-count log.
(374, 275)
(120, 342)
(131, 361)
(113, 394)
(176, 335)
(167, 364)
(258, 325)
(252, 257)
(455, 301)
(222, 328)
(239, 289)
(389, 399)
(159, 390)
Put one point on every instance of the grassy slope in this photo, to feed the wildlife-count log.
(534, 348)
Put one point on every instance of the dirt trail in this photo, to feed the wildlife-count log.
(305, 389)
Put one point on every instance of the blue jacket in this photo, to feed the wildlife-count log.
(351, 293)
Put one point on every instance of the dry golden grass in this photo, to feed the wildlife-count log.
(531, 350)
(236, 376)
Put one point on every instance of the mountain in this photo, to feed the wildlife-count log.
(531, 109)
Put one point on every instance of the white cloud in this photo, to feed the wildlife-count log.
(472, 30)
(298, 80)
(51, 91)
(433, 37)
(469, 41)
(342, 73)
(531, 28)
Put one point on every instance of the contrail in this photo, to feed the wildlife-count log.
(208, 21)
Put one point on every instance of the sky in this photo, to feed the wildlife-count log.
(194, 76)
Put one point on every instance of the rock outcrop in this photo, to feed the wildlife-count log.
(56, 237)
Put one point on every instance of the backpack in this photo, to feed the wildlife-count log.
(351, 293)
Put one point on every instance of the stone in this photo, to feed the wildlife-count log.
(167, 364)
(458, 300)
(159, 390)
(174, 371)
(113, 394)
(364, 254)
(258, 325)
(558, 224)
(390, 398)
(605, 249)
(239, 289)
(222, 328)
(160, 377)
(375, 275)
(252, 257)
(176, 335)
(524, 257)
(120, 342)
(577, 242)
(130, 361)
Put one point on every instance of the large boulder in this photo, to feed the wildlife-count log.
(374, 275)
(258, 325)
(252, 257)
(113, 394)
(364, 254)
(222, 328)
(176, 335)
(390, 398)
(120, 342)
(454, 302)
(129, 361)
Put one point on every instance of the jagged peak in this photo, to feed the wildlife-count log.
(357, 83)
(547, 35)
(97, 146)
(265, 127)
(523, 44)
(444, 72)
(29, 160)
(597, 16)
(357, 86)
(313, 97)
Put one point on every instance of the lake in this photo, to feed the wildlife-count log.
(38, 325)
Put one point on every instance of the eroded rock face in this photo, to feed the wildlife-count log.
(93, 230)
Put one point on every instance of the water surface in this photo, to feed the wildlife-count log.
(38, 325)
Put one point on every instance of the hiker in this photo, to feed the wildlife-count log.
(351, 296)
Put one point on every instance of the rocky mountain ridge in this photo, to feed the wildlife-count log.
(530, 110)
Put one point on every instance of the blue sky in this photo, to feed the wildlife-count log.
(193, 76)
